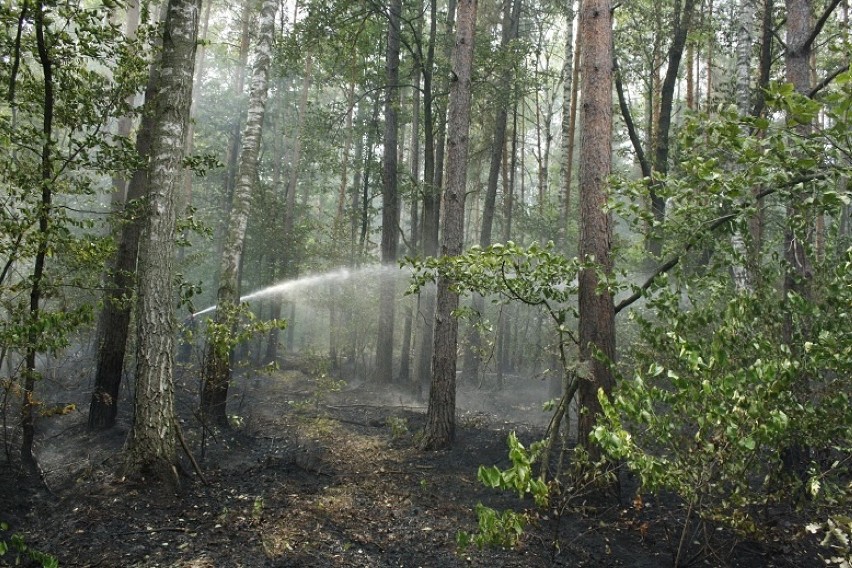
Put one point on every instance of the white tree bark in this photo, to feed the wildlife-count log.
(745, 15)
(217, 368)
(152, 440)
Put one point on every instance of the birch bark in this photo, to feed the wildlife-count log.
(152, 440)
(217, 369)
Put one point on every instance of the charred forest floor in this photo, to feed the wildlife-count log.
(328, 479)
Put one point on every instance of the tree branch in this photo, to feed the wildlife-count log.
(820, 24)
(628, 120)
(827, 80)
(690, 244)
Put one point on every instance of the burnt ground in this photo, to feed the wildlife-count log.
(335, 479)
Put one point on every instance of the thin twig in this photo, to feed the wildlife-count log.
(189, 454)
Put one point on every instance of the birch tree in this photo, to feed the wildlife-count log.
(151, 444)
(217, 368)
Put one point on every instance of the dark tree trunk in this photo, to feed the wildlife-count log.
(390, 202)
(798, 270)
(114, 319)
(511, 18)
(682, 21)
(433, 174)
(44, 218)
(440, 416)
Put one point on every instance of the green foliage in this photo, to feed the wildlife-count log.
(724, 381)
(518, 478)
(237, 325)
(398, 427)
(537, 275)
(505, 528)
(496, 528)
(16, 546)
(318, 370)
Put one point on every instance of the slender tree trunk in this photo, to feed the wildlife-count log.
(364, 212)
(151, 444)
(798, 270)
(390, 202)
(569, 110)
(440, 416)
(287, 259)
(509, 203)
(597, 315)
(743, 23)
(186, 194)
(433, 166)
(125, 123)
(44, 221)
(511, 19)
(682, 23)
(344, 168)
(217, 367)
(355, 190)
(277, 261)
(408, 330)
(233, 149)
(690, 75)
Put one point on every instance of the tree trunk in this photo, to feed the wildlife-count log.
(114, 319)
(188, 175)
(44, 222)
(597, 315)
(569, 112)
(511, 19)
(682, 21)
(152, 440)
(390, 203)
(414, 167)
(440, 416)
(743, 23)
(217, 369)
(798, 270)
(288, 260)
(125, 123)
(233, 149)
(433, 165)
(278, 146)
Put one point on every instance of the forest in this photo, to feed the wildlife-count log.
(429, 283)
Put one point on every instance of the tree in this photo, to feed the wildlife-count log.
(50, 156)
(44, 221)
(152, 439)
(433, 164)
(217, 366)
(390, 201)
(440, 416)
(597, 315)
(570, 72)
(511, 22)
(114, 319)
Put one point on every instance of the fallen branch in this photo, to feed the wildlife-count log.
(185, 447)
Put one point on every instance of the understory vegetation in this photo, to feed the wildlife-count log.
(348, 248)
